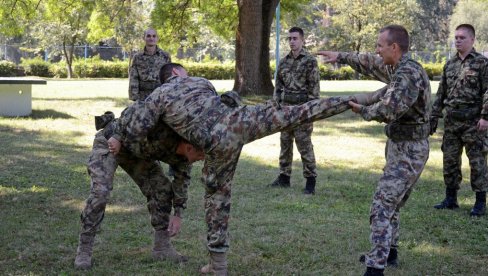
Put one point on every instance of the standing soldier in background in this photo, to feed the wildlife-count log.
(463, 92)
(144, 70)
(404, 105)
(298, 82)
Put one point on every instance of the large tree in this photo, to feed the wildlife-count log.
(63, 22)
(354, 24)
(179, 23)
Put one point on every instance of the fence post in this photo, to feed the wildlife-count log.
(86, 51)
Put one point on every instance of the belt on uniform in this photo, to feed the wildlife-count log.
(295, 98)
(148, 85)
(404, 132)
(463, 112)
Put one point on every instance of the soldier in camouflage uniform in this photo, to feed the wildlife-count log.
(463, 93)
(145, 66)
(138, 159)
(404, 105)
(221, 126)
(298, 82)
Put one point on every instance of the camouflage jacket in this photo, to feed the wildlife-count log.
(299, 75)
(159, 144)
(200, 110)
(406, 98)
(144, 73)
(464, 83)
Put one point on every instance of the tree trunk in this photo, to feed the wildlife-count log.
(68, 55)
(253, 75)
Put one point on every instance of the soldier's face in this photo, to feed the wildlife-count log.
(296, 41)
(192, 153)
(463, 40)
(385, 50)
(151, 38)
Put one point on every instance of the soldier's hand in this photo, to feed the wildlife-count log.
(433, 124)
(329, 56)
(356, 108)
(114, 145)
(174, 226)
(482, 125)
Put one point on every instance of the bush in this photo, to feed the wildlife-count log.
(7, 69)
(36, 67)
(212, 71)
(433, 69)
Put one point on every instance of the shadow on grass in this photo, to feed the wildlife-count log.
(119, 102)
(49, 113)
(273, 231)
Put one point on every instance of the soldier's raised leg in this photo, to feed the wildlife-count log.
(101, 168)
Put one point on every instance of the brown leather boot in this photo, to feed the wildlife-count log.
(164, 250)
(83, 259)
(217, 265)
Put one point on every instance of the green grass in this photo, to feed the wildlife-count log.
(43, 185)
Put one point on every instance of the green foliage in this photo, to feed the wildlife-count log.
(97, 68)
(36, 67)
(7, 69)
(212, 71)
(15, 14)
(433, 69)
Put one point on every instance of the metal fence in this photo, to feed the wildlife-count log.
(14, 53)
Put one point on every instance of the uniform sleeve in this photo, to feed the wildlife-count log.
(180, 186)
(441, 94)
(313, 80)
(133, 80)
(142, 116)
(279, 82)
(484, 90)
(366, 64)
(400, 95)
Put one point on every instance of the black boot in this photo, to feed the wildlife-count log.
(450, 202)
(392, 260)
(479, 207)
(310, 186)
(371, 271)
(282, 181)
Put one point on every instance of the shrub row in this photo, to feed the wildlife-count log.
(97, 68)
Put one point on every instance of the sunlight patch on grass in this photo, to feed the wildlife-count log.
(124, 209)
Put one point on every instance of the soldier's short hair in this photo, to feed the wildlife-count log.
(467, 27)
(399, 35)
(296, 30)
(167, 71)
(150, 29)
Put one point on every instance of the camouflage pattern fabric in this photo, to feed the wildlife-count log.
(160, 192)
(463, 91)
(193, 109)
(404, 105)
(144, 73)
(298, 75)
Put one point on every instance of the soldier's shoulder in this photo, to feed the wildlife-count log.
(161, 52)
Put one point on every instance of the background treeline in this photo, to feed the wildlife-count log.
(97, 68)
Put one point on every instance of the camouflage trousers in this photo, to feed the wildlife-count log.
(303, 139)
(147, 174)
(237, 127)
(405, 162)
(459, 135)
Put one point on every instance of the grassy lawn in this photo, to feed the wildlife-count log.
(43, 185)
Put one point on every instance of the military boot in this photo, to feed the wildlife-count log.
(450, 202)
(164, 250)
(217, 265)
(282, 181)
(310, 186)
(83, 259)
(371, 271)
(392, 260)
(479, 207)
